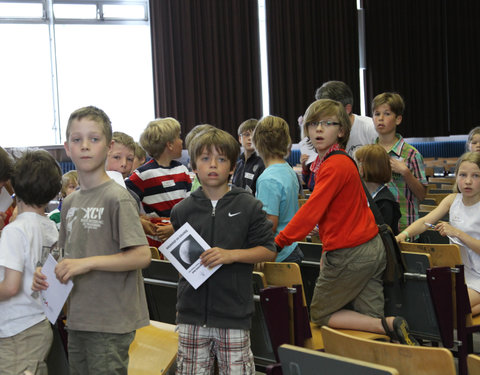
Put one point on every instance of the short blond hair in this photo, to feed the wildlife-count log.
(157, 134)
(140, 153)
(272, 137)
(222, 141)
(327, 107)
(70, 177)
(124, 139)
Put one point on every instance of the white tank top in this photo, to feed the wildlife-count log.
(467, 219)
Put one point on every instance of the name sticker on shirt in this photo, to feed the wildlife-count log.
(249, 175)
(168, 183)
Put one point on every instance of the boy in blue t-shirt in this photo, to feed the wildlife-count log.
(277, 186)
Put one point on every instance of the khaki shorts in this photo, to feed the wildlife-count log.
(27, 350)
(350, 278)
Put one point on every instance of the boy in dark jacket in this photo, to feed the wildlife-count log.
(214, 320)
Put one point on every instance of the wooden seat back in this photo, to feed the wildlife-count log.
(283, 274)
(154, 349)
(427, 207)
(418, 360)
(442, 255)
(437, 197)
(155, 253)
(473, 364)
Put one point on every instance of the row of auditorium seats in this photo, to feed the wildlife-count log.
(426, 297)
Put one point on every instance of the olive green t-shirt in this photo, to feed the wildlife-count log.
(103, 221)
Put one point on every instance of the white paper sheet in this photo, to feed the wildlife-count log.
(306, 147)
(57, 293)
(183, 250)
(5, 200)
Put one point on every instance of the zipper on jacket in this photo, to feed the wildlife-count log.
(212, 226)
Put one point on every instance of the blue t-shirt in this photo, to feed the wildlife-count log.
(277, 189)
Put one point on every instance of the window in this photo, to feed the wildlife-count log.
(92, 53)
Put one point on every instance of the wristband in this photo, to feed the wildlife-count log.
(406, 234)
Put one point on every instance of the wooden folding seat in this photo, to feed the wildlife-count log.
(473, 364)
(418, 360)
(154, 349)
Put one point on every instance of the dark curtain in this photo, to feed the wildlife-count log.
(426, 51)
(206, 61)
(463, 41)
(309, 42)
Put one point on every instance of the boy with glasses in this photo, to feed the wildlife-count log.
(249, 165)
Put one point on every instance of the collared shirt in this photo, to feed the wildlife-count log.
(399, 188)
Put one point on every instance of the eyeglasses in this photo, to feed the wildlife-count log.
(246, 134)
(323, 123)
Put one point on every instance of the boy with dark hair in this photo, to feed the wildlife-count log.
(409, 182)
(249, 165)
(105, 248)
(25, 333)
(214, 320)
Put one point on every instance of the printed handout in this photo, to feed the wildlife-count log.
(183, 250)
(54, 297)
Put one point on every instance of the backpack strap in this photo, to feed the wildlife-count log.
(373, 207)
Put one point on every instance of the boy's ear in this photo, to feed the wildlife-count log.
(398, 120)
(110, 146)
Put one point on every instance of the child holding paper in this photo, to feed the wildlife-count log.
(105, 249)
(214, 319)
(25, 334)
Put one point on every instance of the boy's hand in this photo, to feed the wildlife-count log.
(68, 268)
(398, 166)
(148, 227)
(39, 281)
(215, 256)
(164, 231)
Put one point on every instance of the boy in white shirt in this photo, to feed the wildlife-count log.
(25, 333)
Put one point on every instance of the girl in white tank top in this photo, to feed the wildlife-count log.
(464, 226)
